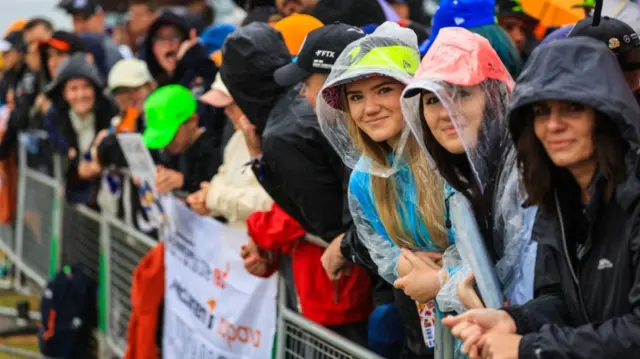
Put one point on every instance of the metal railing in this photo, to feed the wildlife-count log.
(48, 232)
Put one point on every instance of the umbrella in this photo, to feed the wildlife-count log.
(553, 13)
(623, 10)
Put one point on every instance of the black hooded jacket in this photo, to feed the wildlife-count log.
(195, 69)
(301, 171)
(587, 280)
(78, 190)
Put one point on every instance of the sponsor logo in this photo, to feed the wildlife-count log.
(203, 312)
(604, 263)
(326, 53)
(185, 343)
(242, 334)
(182, 248)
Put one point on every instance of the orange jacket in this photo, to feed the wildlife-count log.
(147, 293)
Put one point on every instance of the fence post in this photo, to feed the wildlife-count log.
(104, 275)
(55, 254)
(22, 195)
(281, 330)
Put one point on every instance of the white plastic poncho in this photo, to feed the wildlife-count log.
(392, 52)
(463, 90)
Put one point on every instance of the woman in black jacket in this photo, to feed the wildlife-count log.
(83, 113)
(575, 125)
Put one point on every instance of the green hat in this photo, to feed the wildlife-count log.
(165, 111)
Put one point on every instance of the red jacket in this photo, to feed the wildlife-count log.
(277, 232)
(147, 292)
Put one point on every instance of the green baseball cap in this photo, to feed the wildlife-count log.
(165, 111)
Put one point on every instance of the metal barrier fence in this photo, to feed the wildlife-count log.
(48, 231)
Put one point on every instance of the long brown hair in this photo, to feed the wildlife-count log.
(540, 176)
(429, 188)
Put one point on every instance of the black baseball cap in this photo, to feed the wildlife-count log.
(318, 53)
(80, 7)
(617, 34)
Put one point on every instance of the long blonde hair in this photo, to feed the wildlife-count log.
(429, 188)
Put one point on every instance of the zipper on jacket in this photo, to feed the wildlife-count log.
(569, 262)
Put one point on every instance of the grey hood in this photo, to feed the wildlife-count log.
(576, 69)
(74, 67)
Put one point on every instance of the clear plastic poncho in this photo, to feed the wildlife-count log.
(392, 52)
(463, 90)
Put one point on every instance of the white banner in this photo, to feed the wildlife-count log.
(213, 307)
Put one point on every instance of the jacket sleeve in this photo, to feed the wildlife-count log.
(383, 252)
(355, 251)
(236, 202)
(274, 229)
(309, 182)
(549, 305)
(614, 338)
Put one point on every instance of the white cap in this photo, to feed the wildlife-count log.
(219, 95)
(129, 73)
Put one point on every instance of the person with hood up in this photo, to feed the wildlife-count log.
(88, 18)
(314, 62)
(172, 125)
(396, 200)
(174, 55)
(463, 90)
(578, 153)
(82, 112)
(54, 51)
(478, 16)
(620, 38)
(291, 158)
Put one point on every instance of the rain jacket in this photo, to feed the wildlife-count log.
(587, 301)
(277, 232)
(299, 169)
(500, 252)
(78, 190)
(147, 294)
(391, 51)
(235, 192)
(360, 188)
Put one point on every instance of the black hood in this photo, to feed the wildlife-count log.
(581, 70)
(75, 67)
(166, 18)
(577, 69)
(251, 55)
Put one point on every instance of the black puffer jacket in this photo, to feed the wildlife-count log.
(587, 285)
